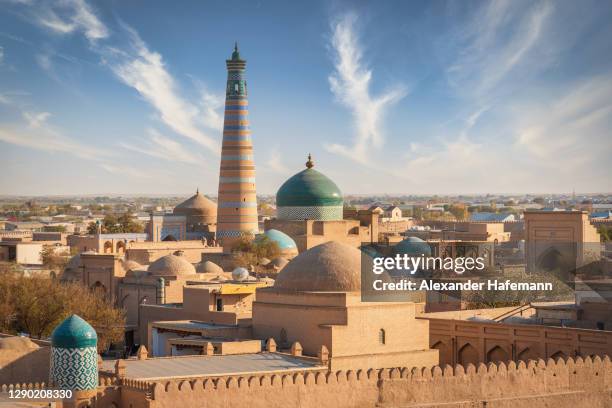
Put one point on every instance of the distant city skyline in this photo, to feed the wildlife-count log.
(441, 97)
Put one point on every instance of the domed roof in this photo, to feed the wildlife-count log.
(172, 265)
(208, 267)
(130, 265)
(240, 274)
(284, 241)
(412, 246)
(309, 188)
(330, 267)
(17, 343)
(74, 332)
(197, 204)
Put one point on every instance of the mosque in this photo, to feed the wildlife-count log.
(306, 338)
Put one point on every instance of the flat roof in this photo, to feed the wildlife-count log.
(190, 325)
(207, 366)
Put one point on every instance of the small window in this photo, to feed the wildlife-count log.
(219, 304)
(382, 336)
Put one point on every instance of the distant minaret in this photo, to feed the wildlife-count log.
(237, 202)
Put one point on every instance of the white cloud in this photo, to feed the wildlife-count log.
(145, 71)
(49, 140)
(71, 15)
(574, 127)
(502, 43)
(1, 55)
(36, 119)
(350, 84)
(164, 148)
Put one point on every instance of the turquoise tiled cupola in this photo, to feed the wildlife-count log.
(74, 355)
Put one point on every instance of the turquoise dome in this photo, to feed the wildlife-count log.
(74, 332)
(371, 252)
(412, 246)
(283, 240)
(309, 194)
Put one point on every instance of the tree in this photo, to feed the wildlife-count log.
(116, 225)
(251, 250)
(55, 228)
(605, 232)
(38, 304)
(485, 299)
(459, 211)
(54, 260)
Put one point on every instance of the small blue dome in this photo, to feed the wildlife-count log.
(283, 240)
(74, 332)
(371, 252)
(412, 246)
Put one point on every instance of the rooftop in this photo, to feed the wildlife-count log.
(205, 366)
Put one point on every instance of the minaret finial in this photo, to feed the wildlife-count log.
(309, 163)
(235, 54)
(197, 190)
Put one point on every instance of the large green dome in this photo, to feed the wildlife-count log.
(309, 195)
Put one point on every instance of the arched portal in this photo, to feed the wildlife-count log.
(120, 247)
(527, 354)
(550, 260)
(497, 354)
(467, 354)
(558, 354)
(108, 247)
(169, 237)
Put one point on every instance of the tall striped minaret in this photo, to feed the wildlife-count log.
(237, 202)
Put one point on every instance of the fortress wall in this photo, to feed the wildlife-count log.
(536, 384)
(566, 383)
(462, 342)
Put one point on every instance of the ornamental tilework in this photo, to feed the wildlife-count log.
(74, 368)
(325, 213)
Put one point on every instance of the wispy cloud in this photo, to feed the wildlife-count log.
(36, 119)
(49, 140)
(350, 84)
(69, 16)
(1, 55)
(499, 44)
(574, 127)
(145, 71)
(163, 148)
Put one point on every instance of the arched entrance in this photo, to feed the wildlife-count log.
(467, 354)
(497, 354)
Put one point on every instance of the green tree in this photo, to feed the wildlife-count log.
(116, 225)
(250, 250)
(605, 232)
(459, 211)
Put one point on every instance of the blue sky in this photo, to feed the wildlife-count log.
(414, 97)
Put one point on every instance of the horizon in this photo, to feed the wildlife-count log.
(422, 98)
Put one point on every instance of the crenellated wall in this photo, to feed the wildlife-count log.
(566, 383)
(571, 383)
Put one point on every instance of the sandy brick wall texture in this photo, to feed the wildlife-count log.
(571, 383)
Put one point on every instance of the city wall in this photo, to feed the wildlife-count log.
(462, 342)
(567, 383)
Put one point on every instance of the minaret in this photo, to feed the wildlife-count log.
(237, 201)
